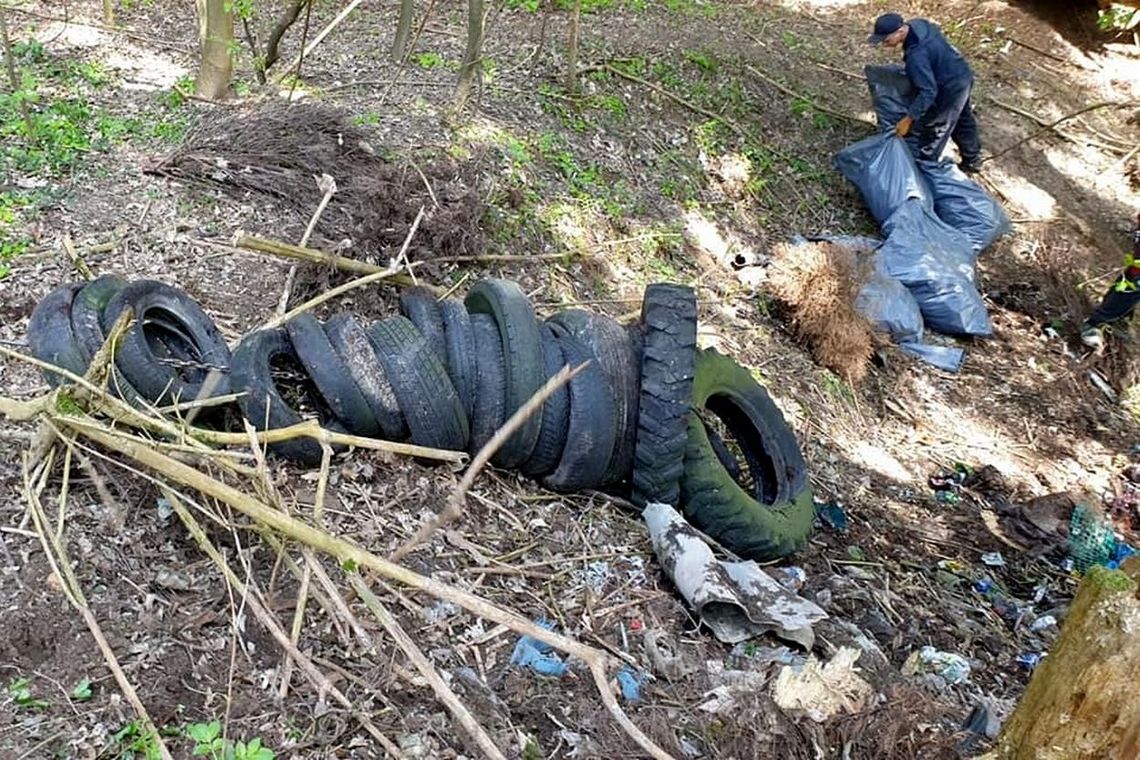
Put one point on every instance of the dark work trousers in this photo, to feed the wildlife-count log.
(951, 116)
(1119, 301)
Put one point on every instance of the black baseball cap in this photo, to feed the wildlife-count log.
(885, 25)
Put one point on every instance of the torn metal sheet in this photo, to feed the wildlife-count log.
(737, 600)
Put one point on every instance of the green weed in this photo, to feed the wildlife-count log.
(132, 740)
(82, 690)
(20, 692)
(208, 742)
(428, 59)
(636, 67)
(702, 61)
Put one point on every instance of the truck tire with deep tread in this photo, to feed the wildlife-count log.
(774, 518)
(523, 362)
(669, 337)
(424, 392)
(330, 375)
(351, 342)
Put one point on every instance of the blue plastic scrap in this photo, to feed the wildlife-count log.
(631, 680)
(832, 515)
(536, 655)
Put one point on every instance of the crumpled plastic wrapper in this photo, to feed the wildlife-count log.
(736, 600)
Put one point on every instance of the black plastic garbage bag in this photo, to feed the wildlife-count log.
(885, 173)
(936, 263)
(891, 96)
(963, 204)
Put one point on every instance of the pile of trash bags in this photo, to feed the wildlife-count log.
(649, 415)
(935, 223)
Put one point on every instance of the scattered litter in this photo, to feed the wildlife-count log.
(173, 580)
(981, 724)
(856, 553)
(792, 578)
(666, 663)
(1043, 623)
(1102, 385)
(832, 515)
(822, 691)
(993, 559)
(1029, 660)
(737, 600)
(441, 610)
(953, 668)
(1091, 539)
(729, 684)
(537, 655)
(631, 680)
(747, 652)
(165, 509)
(412, 745)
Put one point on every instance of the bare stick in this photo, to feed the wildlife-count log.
(458, 710)
(1051, 126)
(286, 250)
(318, 679)
(308, 49)
(327, 185)
(454, 506)
(76, 260)
(341, 289)
(675, 98)
(346, 551)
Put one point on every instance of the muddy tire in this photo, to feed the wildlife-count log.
(616, 352)
(330, 375)
(174, 351)
(489, 410)
(356, 350)
(669, 335)
(461, 352)
(555, 413)
(87, 326)
(773, 517)
(592, 423)
(522, 358)
(50, 336)
(427, 399)
(420, 306)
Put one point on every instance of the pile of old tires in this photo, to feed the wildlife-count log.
(650, 416)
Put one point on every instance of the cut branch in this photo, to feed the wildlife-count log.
(1052, 126)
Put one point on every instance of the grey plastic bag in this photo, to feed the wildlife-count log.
(891, 96)
(885, 173)
(963, 204)
(936, 263)
(890, 307)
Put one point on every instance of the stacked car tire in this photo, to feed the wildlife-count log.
(649, 415)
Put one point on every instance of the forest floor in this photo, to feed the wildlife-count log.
(678, 153)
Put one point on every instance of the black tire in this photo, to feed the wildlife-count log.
(330, 375)
(617, 356)
(261, 402)
(461, 364)
(51, 337)
(87, 326)
(555, 413)
(774, 517)
(356, 350)
(669, 337)
(591, 429)
(174, 351)
(420, 306)
(522, 358)
(424, 392)
(489, 410)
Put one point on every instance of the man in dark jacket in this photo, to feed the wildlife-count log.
(941, 110)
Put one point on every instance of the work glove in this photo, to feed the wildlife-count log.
(902, 129)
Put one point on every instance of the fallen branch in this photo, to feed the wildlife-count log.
(1051, 126)
(454, 507)
(460, 712)
(346, 551)
(307, 50)
(312, 255)
(659, 89)
(327, 185)
(800, 96)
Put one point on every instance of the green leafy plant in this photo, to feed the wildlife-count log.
(20, 692)
(208, 742)
(133, 740)
(82, 690)
(428, 59)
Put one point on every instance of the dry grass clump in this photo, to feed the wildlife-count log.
(818, 283)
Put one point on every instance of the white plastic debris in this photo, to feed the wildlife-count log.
(737, 600)
(953, 668)
(821, 691)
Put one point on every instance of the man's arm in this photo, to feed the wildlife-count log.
(921, 75)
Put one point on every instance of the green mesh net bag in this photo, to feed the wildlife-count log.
(1091, 539)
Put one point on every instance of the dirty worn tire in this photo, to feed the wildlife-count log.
(669, 336)
(591, 428)
(489, 410)
(174, 351)
(616, 352)
(262, 403)
(523, 365)
(555, 413)
(460, 340)
(87, 326)
(330, 375)
(775, 518)
(420, 306)
(351, 342)
(50, 336)
(427, 399)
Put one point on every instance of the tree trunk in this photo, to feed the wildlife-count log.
(109, 12)
(13, 76)
(273, 43)
(572, 50)
(1083, 702)
(403, 29)
(216, 35)
(472, 58)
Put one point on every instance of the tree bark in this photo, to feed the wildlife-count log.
(216, 35)
(403, 29)
(13, 75)
(472, 58)
(1082, 702)
(109, 12)
(572, 49)
(273, 43)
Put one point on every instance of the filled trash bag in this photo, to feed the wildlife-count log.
(890, 307)
(891, 96)
(963, 204)
(885, 173)
(936, 263)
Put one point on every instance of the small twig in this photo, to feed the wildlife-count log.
(1051, 126)
(1038, 50)
(815, 105)
(76, 260)
(307, 50)
(675, 98)
(458, 710)
(427, 185)
(454, 506)
(327, 185)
